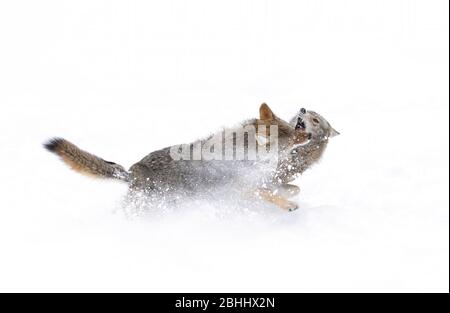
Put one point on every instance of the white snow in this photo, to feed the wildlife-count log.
(123, 78)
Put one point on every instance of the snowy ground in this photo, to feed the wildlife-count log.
(122, 79)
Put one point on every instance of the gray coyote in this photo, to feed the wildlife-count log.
(260, 156)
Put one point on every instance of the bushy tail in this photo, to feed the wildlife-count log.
(85, 163)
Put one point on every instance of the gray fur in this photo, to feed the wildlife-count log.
(158, 172)
(307, 155)
(300, 144)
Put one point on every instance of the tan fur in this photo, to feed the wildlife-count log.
(299, 148)
(84, 162)
(292, 137)
(266, 113)
(277, 199)
(285, 130)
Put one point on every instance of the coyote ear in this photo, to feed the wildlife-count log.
(334, 133)
(265, 113)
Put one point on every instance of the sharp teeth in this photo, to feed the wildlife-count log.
(300, 124)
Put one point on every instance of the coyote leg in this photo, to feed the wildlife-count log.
(289, 190)
(278, 200)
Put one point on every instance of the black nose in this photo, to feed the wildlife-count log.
(300, 124)
(303, 110)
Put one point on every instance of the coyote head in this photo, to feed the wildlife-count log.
(313, 123)
(288, 136)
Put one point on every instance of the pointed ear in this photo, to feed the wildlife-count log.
(265, 113)
(334, 133)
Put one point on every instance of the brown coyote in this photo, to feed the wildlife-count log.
(260, 157)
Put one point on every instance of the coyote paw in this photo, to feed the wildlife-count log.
(291, 206)
(288, 190)
(278, 200)
(292, 190)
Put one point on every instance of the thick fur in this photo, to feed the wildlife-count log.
(84, 162)
(301, 143)
(159, 173)
(305, 156)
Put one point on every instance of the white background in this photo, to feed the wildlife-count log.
(123, 78)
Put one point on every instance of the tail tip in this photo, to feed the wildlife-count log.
(53, 144)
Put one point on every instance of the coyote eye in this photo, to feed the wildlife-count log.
(303, 110)
(315, 121)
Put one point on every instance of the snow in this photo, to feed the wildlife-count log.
(121, 79)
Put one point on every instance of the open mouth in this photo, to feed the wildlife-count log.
(300, 120)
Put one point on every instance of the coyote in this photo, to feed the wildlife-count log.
(260, 157)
